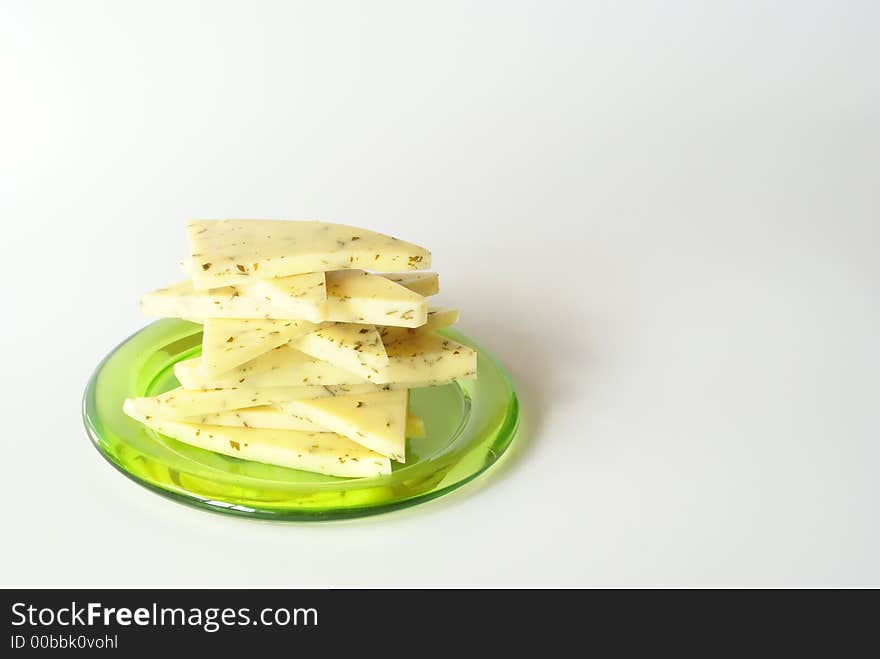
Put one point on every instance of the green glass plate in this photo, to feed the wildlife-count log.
(469, 425)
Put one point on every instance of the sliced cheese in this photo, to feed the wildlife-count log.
(356, 348)
(423, 283)
(230, 342)
(373, 299)
(183, 403)
(421, 359)
(305, 300)
(268, 416)
(354, 296)
(284, 366)
(281, 289)
(377, 421)
(224, 252)
(263, 416)
(427, 358)
(325, 453)
(437, 319)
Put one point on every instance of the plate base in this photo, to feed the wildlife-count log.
(469, 425)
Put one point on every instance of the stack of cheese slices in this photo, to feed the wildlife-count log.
(307, 358)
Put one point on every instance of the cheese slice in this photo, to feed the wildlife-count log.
(301, 297)
(426, 357)
(354, 296)
(423, 283)
(224, 252)
(183, 403)
(356, 348)
(437, 319)
(422, 359)
(263, 416)
(305, 299)
(230, 342)
(377, 421)
(284, 366)
(268, 416)
(320, 452)
(285, 290)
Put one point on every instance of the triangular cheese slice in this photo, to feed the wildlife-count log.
(264, 416)
(377, 421)
(224, 252)
(183, 403)
(423, 283)
(282, 367)
(321, 452)
(354, 296)
(268, 416)
(286, 290)
(356, 348)
(427, 358)
(305, 299)
(437, 319)
(422, 359)
(229, 342)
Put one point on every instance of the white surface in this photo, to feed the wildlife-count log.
(662, 216)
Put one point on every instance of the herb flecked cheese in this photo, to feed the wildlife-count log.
(305, 298)
(373, 299)
(322, 452)
(356, 348)
(183, 403)
(437, 319)
(355, 296)
(426, 357)
(377, 421)
(308, 354)
(284, 366)
(419, 359)
(263, 416)
(224, 252)
(423, 283)
(230, 342)
(269, 416)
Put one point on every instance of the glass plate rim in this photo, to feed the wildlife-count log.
(505, 435)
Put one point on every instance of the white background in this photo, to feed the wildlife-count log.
(662, 216)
